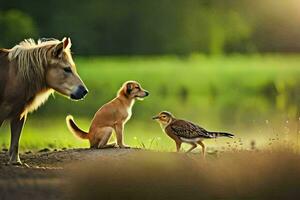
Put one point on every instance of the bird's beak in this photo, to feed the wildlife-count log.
(155, 117)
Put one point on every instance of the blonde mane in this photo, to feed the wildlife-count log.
(31, 57)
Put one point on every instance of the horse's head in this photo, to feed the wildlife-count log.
(61, 74)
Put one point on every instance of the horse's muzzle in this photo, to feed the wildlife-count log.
(79, 92)
(146, 93)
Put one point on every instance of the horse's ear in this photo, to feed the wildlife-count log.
(58, 50)
(67, 42)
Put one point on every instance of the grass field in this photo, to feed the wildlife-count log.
(255, 97)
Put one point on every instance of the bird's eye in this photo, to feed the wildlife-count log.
(163, 116)
(68, 69)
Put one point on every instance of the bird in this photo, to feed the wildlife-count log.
(181, 130)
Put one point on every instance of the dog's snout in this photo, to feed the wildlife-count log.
(147, 93)
(79, 92)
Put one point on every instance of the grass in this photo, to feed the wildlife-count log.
(39, 134)
(251, 96)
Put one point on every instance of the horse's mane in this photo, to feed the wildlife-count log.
(31, 57)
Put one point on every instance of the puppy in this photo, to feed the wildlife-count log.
(111, 116)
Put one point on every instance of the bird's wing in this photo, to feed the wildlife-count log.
(186, 129)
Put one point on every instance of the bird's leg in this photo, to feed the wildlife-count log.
(193, 147)
(178, 145)
(203, 147)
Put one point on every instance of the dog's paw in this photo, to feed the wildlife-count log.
(123, 146)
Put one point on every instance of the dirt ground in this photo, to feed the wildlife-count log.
(46, 178)
(82, 174)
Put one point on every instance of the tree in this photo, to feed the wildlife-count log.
(15, 26)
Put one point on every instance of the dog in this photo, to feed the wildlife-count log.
(29, 73)
(111, 116)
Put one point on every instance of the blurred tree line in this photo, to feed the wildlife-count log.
(182, 27)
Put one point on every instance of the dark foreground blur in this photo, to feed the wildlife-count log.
(242, 175)
(137, 174)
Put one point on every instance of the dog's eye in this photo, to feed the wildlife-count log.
(137, 87)
(68, 69)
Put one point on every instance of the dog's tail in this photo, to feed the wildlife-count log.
(74, 128)
(221, 134)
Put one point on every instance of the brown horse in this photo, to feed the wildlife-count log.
(29, 73)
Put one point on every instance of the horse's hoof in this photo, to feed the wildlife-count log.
(18, 164)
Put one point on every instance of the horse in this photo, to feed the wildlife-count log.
(29, 73)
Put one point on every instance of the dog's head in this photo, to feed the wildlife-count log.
(133, 90)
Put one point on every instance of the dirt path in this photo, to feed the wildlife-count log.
(45, 177)
(83, 174)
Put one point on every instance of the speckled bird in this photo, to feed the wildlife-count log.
(184, 131)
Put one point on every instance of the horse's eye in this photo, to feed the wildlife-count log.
(68, 69)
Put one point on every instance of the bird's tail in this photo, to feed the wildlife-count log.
(221, 134)
(75, 129)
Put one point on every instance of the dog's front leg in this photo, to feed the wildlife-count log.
(16, 126)
(119, 133)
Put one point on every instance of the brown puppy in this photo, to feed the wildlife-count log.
(111, 116)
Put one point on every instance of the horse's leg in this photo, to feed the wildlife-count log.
(16, 126)
(4, 113)
(2, 117)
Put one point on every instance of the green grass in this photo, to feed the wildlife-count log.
(235, 93)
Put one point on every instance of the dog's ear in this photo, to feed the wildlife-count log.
(129, 87)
